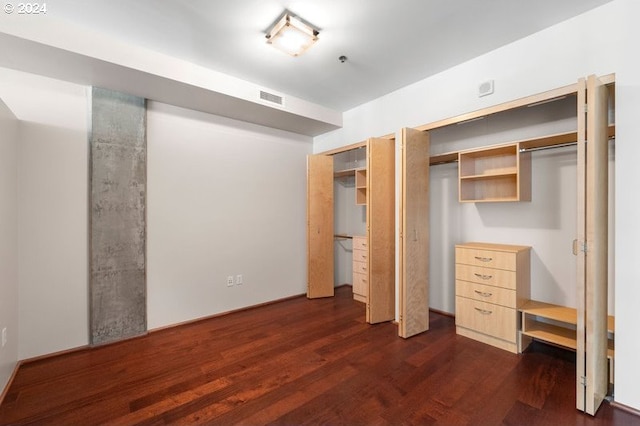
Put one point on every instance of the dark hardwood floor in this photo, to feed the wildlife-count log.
(301, 362)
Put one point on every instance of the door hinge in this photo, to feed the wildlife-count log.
(579, 246)
(586, 108)
(583, 381)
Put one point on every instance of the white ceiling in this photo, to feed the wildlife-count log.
(389, 44)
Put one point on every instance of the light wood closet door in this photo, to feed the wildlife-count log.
(581, 228)
(319, 226)
(414, 237)
(592, 273)
(381, 229)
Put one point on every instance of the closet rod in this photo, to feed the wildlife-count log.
(542, 148)
(443, 162)
(560, 145)
(537, 148)
(342, 236)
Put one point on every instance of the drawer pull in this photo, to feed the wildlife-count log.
(483, 311)
(484, 259)
(483, 293)
(484, 277)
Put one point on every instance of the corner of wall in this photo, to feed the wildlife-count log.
(8, 245)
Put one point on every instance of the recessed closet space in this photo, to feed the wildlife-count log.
(351, 224)
(547, 223)
(350, 213)
(521, 225)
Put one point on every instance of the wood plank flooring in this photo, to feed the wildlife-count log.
(301, 362)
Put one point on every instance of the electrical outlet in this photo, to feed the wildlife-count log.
(229, 280)
(238, 279)
(4, 336)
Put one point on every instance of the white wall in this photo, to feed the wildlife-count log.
(224, 198)
(52, 204)
(627, 209)
(598, 42)
(8, 242)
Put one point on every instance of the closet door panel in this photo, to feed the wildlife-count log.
(597, 244)
(319, 226)
(591, 248)
(381, 229)
(581, 191)
(414, 237)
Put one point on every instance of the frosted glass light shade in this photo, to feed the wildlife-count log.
(291, 35)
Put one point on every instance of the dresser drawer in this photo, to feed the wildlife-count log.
(359, 268)
(487, 318)
(360, 286)
(360, 243)
(486, 293)
(486, 258)
(488, 276)
(360, 256)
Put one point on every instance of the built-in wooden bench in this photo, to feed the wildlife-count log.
(556, 324)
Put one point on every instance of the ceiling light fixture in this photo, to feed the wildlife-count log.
(291, 35)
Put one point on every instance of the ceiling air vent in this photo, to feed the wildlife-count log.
(271, 98)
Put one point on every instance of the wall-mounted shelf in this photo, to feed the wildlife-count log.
(499, 173)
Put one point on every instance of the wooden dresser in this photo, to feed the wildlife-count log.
(360, 269)
(492, 282)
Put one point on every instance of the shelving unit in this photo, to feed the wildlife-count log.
(361, 187)
(556, 324)
(495, 174)
(360, 175)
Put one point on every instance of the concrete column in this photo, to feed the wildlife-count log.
(118, 216)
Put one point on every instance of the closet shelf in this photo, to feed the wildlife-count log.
(536, 324)
(559, 313)
(494, 200)
(346, 173)
(494, 174)
(491, 174)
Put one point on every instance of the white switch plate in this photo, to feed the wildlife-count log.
(4, 336)
(229, 280)
(238, 279)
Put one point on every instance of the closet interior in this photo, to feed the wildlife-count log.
(351, 224)
(505, 218)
